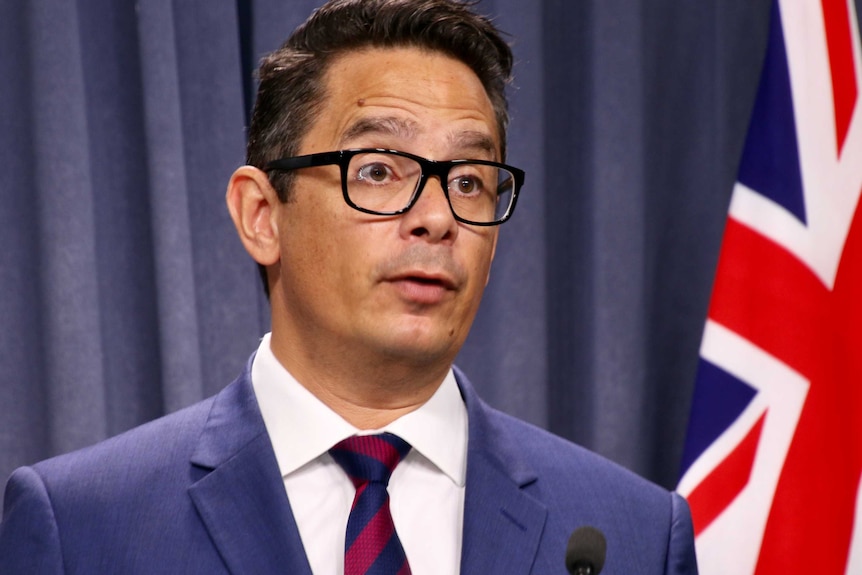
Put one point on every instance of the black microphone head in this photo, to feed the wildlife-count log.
(586, 549)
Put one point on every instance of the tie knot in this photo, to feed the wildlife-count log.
(370, 458)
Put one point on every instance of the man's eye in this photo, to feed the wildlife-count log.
(374, 173)
(465, 185)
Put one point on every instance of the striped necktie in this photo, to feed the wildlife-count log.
(371, 547)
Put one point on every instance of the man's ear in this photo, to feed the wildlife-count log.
(252, 203)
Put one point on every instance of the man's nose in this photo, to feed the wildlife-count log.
(431, 216)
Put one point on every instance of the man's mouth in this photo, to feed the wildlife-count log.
(422, 288)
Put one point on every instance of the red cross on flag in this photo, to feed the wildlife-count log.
(773, 454)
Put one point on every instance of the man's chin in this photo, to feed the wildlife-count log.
(422, 349)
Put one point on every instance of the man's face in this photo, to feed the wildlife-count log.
(406, 287)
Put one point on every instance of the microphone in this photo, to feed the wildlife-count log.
(585, 553)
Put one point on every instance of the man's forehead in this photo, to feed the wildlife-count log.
(408, 129)
(385, 97)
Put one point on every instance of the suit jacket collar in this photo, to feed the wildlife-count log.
(241, 499)
(240, 496)
(503, 524)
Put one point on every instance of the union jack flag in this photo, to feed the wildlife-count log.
(773, 455)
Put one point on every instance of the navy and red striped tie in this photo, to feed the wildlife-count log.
(371, 547)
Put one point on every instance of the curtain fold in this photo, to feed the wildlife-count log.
(126, 294)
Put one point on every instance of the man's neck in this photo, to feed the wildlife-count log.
(367, 394)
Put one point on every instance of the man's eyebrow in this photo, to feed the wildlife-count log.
(474, 140)
(384, 125)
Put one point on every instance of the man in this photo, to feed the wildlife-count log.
(376, 240)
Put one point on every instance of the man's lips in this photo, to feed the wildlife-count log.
(425, 278)
(422, 274)
(422, 288)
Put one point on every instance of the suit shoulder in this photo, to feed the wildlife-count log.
(558, 462)
(151, 446)
(580, 487)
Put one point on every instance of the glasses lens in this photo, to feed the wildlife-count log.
(382, 182)
(480, 193)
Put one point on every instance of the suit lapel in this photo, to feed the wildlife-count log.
(240, 496)
(241, 499)
(502, 523)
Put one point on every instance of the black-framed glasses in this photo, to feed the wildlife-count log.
(389, 182)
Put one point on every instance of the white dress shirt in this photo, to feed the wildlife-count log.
(426, 489)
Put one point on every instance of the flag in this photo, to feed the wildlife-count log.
(773, 455)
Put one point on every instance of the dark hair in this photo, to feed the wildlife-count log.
(291, 78)
(291, 87)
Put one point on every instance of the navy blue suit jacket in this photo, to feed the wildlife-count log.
(199, 491)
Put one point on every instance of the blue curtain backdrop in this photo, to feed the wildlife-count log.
(125, 294)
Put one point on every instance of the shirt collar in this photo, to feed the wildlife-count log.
(302, 428)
